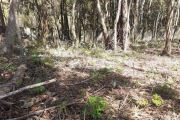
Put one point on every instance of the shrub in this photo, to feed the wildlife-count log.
(157, 100)
(95, 106)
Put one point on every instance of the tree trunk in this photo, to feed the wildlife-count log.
(39, 19)
(115, 25)
(105, 32)
(10, 30)
(141, 11)
(17, 29)
(136, 20)
(156, 26)
(66, 24)
(123, 26)
(2, 19)
(127, 38)
(94, 22)
(167, 48)
(62, 19)
(73, 22)
(56, 32)
(45, 21)
(78, 24)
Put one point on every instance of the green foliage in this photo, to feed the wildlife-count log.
(3, 66)
(170, 80)
(83, 92)
(106, 70)
(19, 82)
(166, 88)
(36, 60)
(156, 44)
(119, 69)
(153, 75)
(34, 52)
(137, 83)
(96, 75)
(85, 45)
(35, 56)
(95, 106)
(99, 74)
(142, 102)
(174, 67)
(127, 55)
(62, 106)
(157, 100)
(37, 89)
(88, 52)
(12, 68)
(48, 62)
(100, 55)
(139, 47)
(2, 59)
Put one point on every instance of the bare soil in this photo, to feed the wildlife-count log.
(122, 79)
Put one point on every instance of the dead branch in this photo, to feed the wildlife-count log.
(6, 103)
(6, 85)
(26, 88)
(40, 111)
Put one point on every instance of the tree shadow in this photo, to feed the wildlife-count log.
(75, 83)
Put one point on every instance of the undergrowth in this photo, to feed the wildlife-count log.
(37, 89)
(95, 107)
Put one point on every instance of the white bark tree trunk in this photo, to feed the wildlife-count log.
(115, 25)
(167, 48)
(73, 23)
(12, 29)
(105, 32)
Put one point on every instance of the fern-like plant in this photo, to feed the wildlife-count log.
(95, 106)
(157, 100)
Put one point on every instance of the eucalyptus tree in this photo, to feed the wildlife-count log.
(12, 30)
(104, 28)
(123, 36)
(136, 18)
(2, 18)
(167, 48)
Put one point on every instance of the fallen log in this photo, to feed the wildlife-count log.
(5, 88)
(26, 88)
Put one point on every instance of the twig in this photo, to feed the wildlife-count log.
(6, 103)
(85, 114)
(99, 89)
(6, 85)
(124, 102)
(40, 111)
(26, 88)
(82, 81)
(133, 68)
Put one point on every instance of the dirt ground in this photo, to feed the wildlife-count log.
(126, 81)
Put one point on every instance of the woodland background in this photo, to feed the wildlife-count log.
(89, 59)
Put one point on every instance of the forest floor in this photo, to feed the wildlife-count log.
(94, 83)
